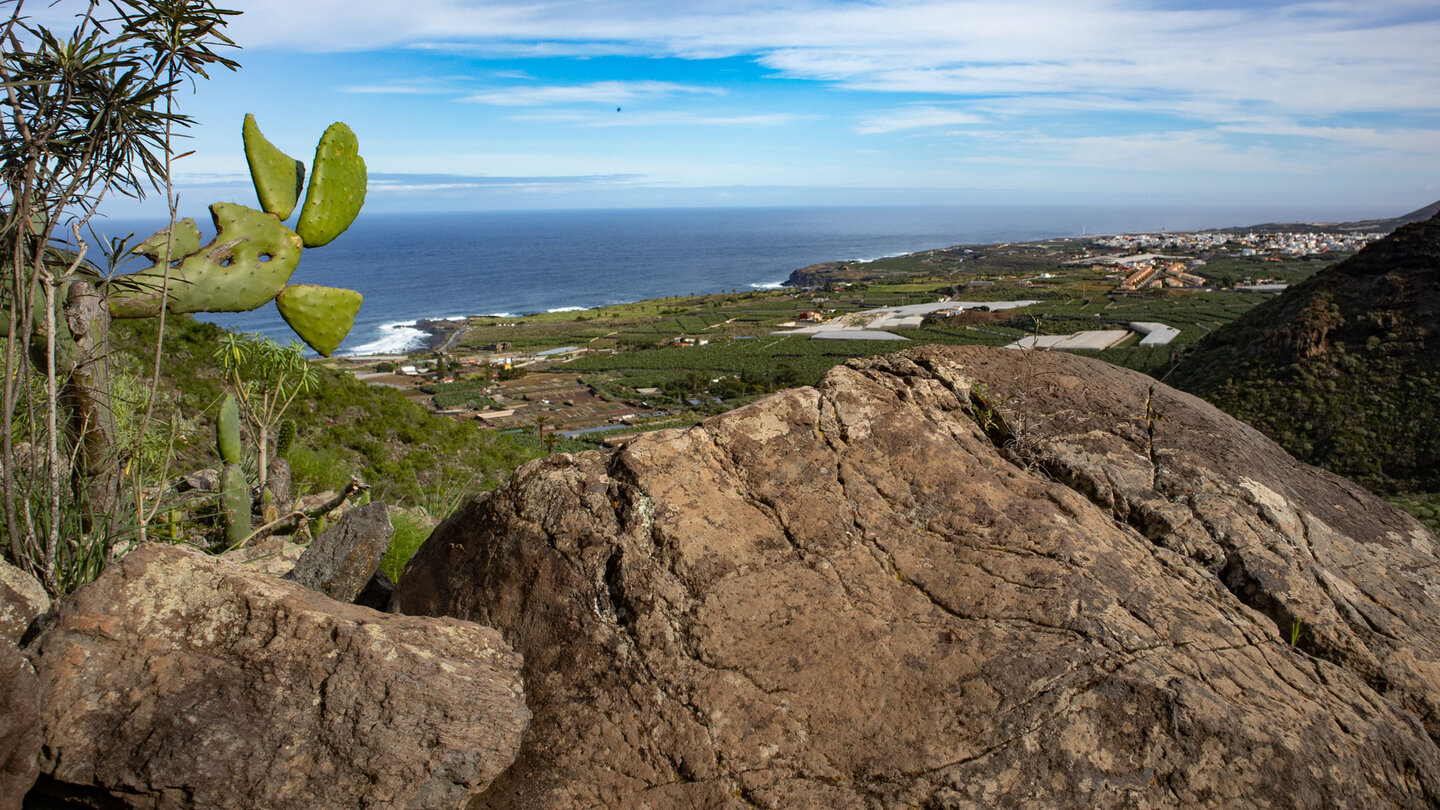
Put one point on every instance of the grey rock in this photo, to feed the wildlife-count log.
(19, 726)
(953, 578)
(202, 481)
(377, 592)
(345, 556)
(22, 600)
(177, 680)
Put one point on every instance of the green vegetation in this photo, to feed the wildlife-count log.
(1342, 370)
(1424, 506)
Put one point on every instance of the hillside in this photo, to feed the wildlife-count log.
(1358, 226)
(1342, 368)
(345, 427)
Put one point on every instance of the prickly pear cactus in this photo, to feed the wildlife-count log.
(234, 504)
(337, 187)
(320, 315)
(234, 489)
(253, 255)
(247, 263)
(227, 430)
(184, 239)
(278, 177)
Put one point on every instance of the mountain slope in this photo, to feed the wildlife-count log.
(1343, 368)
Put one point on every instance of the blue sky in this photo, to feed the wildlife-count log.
(470, 105)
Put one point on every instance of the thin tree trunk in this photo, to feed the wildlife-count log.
(96, 476)
(262, 468)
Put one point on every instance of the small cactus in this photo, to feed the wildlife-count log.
(227, 430)
(285, 438)
(234, 504)
(234, 489)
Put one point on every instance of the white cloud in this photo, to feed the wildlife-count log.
(1308, 57)
(664, 119)
(607, 92)
(919, 117)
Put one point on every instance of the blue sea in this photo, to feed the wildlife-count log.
(508, 263)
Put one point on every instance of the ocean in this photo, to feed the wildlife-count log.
(509, 263)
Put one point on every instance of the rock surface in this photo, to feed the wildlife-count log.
(341, 561)
(22, 599)
(179, 681)
(954, 578)
(19, 726)
(274, 555)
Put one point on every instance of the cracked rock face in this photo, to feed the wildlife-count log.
(953, 578)
(177, 680)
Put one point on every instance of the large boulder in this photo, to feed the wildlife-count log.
(19, 726)
(953, 578)
(22, 600)
(179, 681)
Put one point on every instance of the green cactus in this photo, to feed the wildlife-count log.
(227, 430)
(337, 187)
(234, 504)
(253, 254)
(278, 178)
(285, 438)
(247, 264)
(184, 238)
(234, 489)
(320, 315)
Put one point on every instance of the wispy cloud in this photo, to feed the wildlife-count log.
(919, 117)
(606, 92)
(664, 119)
(396, 87)
(1305, 58)
(393, 182)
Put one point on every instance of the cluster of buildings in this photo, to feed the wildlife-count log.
(1250, 244)
(1301, 244)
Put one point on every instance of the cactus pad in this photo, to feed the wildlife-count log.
(322, 316)
(184, 238)
(227, 430)
(249, 261)
(337, 187)
(234, 504)
(278, 177)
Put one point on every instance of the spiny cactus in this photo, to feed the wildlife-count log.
(253, 255)
(337, 187)
(247, 264)
(285, 438)
(234, 489)
(278, 177)
(227, 430)
(320, 315)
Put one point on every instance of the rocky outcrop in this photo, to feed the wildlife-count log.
(179, 681)
(818, 275)
(22, 600)
(19, 726)
(344, 558)
(953, 578)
